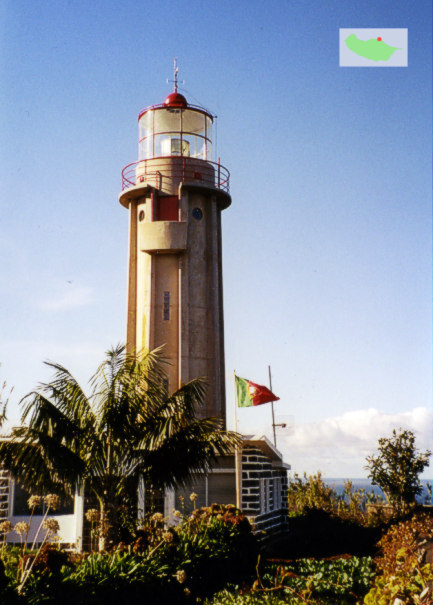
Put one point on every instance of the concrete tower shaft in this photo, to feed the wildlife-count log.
(175, 199)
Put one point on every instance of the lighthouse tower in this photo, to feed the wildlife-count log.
(175, 194)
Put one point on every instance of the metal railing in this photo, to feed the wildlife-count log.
(176, 168)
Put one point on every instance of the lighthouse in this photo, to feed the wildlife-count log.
(175, 194)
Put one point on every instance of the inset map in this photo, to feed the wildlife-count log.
(373, 47)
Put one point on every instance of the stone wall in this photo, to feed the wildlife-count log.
(264, 491)
(4, 495)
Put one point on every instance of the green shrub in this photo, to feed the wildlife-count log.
(104, 578)
(402, 571)
(318, 533)
(340, 581)
(213, 547)
(10, 557)
(174, 565)
(397, 469)
(310, 492)
(334, 579)
(236, 597)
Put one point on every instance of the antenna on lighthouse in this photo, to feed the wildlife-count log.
(176, 71)
(175, 74)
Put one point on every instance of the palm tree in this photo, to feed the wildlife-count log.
(127, 428)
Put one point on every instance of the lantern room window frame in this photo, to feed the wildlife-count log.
(149, 144)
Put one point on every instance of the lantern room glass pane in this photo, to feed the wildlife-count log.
(167, 131)
(167, 120)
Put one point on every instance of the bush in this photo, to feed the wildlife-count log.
(173, 565)
(340, 581)
(236, 597)
(214, 546)
(104, 578)
(397, 468)
(310, 492)
(402, 570)
(318, 533)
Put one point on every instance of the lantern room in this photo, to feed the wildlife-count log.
(175, 147)
(175, 128)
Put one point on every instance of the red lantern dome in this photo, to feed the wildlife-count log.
(175, 99)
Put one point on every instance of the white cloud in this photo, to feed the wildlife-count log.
(67, 298)
(338, 446)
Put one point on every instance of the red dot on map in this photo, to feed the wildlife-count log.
(379, 39)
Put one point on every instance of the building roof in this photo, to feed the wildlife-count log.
(262, 443)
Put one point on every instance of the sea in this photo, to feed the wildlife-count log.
(338, 485)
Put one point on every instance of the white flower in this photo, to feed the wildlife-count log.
(51, 525)
(5, 527)
(21, 528)
(92, 515)
(34, 501)
(181, 576)
(52, 501)
(167, 536)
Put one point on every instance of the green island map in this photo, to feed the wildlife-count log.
(374, 49)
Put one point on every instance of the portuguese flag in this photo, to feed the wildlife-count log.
(249, 393)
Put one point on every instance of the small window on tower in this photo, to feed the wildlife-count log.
(197, 214)
(166, 309)
(141, 216)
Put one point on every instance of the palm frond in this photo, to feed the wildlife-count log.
(122, 386)
(66, 394)
(47, 417)
(41, 465)
(170, 459)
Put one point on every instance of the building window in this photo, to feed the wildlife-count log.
(165, 386)
(141, 216)
(277, 493)
(197, 213)
(166, 306)
(153, 500)
(20, 506)
(265, 495)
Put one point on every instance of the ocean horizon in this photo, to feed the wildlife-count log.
(363, 483)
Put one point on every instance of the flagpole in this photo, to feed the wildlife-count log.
(273, 415)
(238, 453)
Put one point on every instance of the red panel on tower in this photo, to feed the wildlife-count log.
(168, 208)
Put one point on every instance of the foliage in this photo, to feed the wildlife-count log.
(213, 546)
(10, 558)
(5, 393)
(106, 578)
(403, 572)
(216, 546)
(397, 467)
(334, 580)
(126, 428)
(235, 596)
(310, 492)
(337, 581)
(164, 565)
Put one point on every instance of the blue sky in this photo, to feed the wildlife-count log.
(327, 244)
